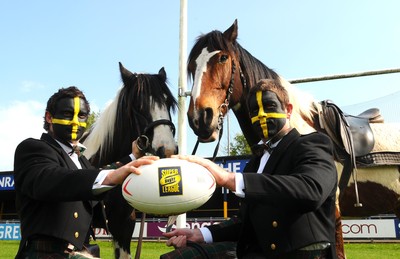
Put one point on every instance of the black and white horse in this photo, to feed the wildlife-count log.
(141, 110)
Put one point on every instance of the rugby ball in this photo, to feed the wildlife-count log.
(169, 186)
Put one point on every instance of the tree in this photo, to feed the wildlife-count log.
(92, 119)
(239, 146)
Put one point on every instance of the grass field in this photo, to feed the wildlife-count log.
(151, 250)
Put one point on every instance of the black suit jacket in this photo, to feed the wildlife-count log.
(291, 204)
(53, 197)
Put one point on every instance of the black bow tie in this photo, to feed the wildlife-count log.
(77, 149)
(259, 149)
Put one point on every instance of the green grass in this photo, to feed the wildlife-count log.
(151, 250)
(372, 250)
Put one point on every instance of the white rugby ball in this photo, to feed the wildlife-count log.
(169, 186)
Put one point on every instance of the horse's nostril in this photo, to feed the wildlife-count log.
(208, 116)
(161, 152)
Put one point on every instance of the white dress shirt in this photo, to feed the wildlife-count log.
(98, 187)
(239, 183)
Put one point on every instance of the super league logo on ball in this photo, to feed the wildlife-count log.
(170, 179)
(159, 189)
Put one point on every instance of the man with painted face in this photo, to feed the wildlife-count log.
(56, 189)
(287, 191)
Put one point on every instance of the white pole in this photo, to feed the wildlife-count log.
(181, 220)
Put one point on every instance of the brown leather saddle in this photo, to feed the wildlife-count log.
(352, 135)
(349, 132)
(354, 140)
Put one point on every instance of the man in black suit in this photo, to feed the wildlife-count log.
(287, 191)
(56, 188)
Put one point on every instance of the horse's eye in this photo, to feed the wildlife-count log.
(223, 58)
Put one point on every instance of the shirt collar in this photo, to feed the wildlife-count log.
(68, 148)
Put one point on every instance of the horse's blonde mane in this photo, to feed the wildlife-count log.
(303, 104)
(102, 130)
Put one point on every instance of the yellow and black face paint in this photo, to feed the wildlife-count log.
(68, 115)
(262, 116)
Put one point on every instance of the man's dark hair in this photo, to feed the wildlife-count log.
(273, 86)
(69, 92)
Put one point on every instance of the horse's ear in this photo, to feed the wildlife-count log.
(125, 73)
(163, 74)
(232, 32)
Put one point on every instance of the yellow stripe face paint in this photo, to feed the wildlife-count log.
(74, 122)
(262, 116)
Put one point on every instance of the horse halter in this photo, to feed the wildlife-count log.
(143, 141)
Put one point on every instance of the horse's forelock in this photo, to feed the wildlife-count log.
(213, 40)
(156, 86)
(137, 97)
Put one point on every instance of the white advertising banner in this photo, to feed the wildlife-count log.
(369, 228)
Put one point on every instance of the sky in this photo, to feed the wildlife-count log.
(46, 45)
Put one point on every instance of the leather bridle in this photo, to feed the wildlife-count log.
(143, 141)
(224, 107)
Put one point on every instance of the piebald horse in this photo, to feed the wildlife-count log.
(141, 110)
(223, 71)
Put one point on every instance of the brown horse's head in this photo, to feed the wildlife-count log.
(223, 72)
(214, 68)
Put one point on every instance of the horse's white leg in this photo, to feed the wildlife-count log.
(118, 250)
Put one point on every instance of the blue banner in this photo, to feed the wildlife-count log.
(397, 228)
(233, 165)
(6, 182)
(10, 231)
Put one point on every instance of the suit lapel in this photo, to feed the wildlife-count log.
(252, 165)
(84, 162)
(70, 164)
(279, 150)
(69, 161)
(47, 138)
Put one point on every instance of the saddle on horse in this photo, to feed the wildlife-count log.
(354, 138)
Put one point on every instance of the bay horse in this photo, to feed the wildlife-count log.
(223, 71)
(141, 110)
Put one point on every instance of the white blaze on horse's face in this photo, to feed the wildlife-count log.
(201, 68)
(162, 133)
